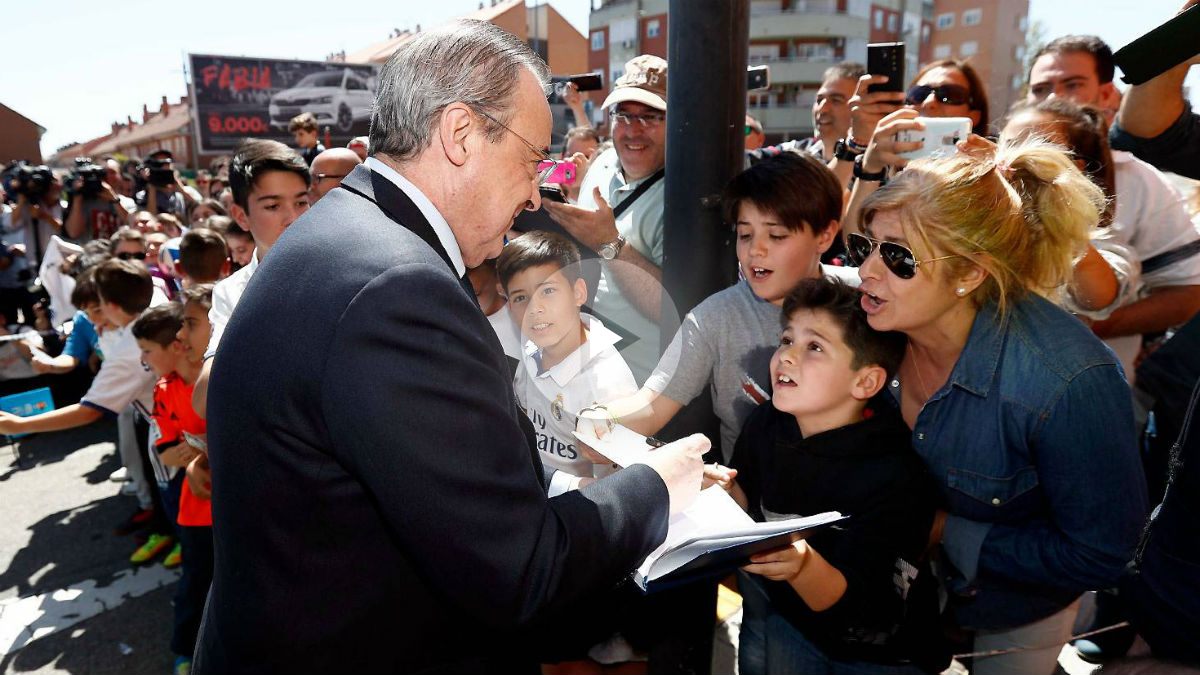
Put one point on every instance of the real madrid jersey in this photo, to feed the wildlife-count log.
(593, 374)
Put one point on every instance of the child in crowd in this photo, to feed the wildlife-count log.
(569, 361)
(239, 241)
(856, 598)
(203, 257)
(178, 356)
(124, 290)
(491, 300)
(785, 212)
(130, 244)
(304, 130)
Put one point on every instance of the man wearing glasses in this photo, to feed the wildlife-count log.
(620, 210)
(328, 170)
(379, 503)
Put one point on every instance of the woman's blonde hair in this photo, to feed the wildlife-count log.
(1023, 215)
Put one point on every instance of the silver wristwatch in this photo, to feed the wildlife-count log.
(611, 249)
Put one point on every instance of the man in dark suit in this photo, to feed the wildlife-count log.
(377, 503)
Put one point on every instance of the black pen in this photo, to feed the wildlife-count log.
(654, 442)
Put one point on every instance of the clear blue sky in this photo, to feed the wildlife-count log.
(84, 64)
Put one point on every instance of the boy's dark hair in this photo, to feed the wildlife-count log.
(256, 157)
(125, 283)
(85, 292)
(306, 121)
(1088, 44)
(841, 302)
(126, 234)
(198, 293)
(537, 248)
(797, 188)
(202, 254)
(159, 324)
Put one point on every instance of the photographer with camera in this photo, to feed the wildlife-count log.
(162, 190)
(38, 212)
(95, 210)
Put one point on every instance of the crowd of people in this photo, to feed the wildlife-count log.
(950, 350)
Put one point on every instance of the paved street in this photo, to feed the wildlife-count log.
(69, 600)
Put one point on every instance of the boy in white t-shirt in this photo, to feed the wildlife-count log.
(570, 361)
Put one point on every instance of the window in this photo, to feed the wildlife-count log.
(968, 48)
(972, 17)
(892, 23)
(1023, 23)
(925, 34)
(941, 51)
(879, 19)
(652, 28)
(945, 21)
(597, 40)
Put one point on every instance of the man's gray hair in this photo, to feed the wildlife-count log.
(470, 62)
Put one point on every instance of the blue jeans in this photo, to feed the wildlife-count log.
(768, 643)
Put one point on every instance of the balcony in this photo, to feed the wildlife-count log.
(795, 69)
(793, 119)
(815, 18)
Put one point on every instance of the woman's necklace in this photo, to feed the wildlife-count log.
(917, 369)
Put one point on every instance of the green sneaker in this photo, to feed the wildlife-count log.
(174, 558)
(150, 550)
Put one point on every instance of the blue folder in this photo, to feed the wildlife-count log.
(27, 403)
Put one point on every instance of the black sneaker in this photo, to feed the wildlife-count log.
(139, 519)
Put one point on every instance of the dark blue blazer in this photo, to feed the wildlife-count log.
(377, 504)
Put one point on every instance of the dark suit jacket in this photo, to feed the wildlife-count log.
(376, 504)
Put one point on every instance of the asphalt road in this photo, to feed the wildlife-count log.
(70, 602)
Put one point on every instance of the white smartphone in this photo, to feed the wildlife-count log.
(940, 137)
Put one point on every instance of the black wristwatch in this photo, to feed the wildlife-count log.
(844, 152)
(877, 177)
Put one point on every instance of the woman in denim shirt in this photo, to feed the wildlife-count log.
(1022, 415)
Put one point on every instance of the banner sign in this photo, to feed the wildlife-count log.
(234, 97)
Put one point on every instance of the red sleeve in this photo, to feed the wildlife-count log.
(164, 417)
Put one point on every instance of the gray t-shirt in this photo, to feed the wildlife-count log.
(727, 342)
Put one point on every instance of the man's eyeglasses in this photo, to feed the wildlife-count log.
(897, 258)
(128, 255)
(647, 120)
(545, 163)
(323, 176)
(948, 94)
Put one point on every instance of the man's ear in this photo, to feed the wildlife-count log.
(580, 289)
(500, 291)
(454, 129)
(225, 267)
(1108, 98)
(868, 382)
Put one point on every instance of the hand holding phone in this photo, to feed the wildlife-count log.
(939, 138)
(886, 58)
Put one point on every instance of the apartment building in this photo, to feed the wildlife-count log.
(989, 34)
(798, 39)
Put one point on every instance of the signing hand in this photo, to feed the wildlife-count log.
(681, 467)
(593, 228)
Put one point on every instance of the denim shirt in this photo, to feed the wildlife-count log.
(1032, 442)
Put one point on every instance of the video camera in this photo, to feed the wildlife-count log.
(91, 176)
(31, 181)
(159, 172)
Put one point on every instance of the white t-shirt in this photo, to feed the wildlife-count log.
(507, 332)
(225, 297)
(593, 373)
(122, 379)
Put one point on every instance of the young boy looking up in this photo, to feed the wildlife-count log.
(203, 257)
(491, 300)
(180, 443)
(125, 290)
(846, 595)
(270, 191)
(785, 212)
(570, 361)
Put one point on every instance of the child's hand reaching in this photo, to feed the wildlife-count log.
(780, 564)
(715, 474)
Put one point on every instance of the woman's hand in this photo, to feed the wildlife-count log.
(884, 149)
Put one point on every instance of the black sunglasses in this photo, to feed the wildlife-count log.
(949, 94)
(897, 258)
(126, 255)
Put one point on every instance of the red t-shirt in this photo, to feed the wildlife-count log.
(174, 415)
